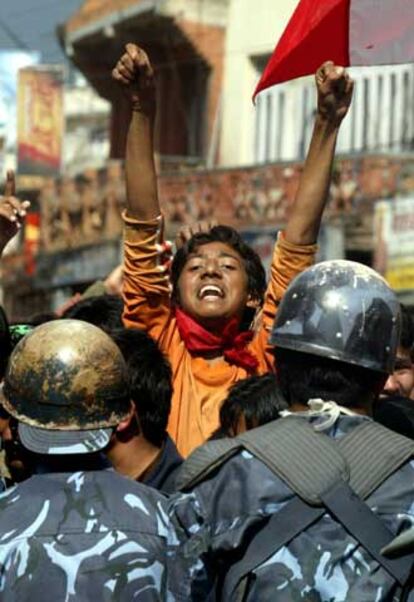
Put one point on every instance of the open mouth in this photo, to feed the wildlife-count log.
(210, 291)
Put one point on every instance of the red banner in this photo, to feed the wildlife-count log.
(31, 241)
(40, 120)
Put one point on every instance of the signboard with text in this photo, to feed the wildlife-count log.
(394, 242)
(40, 120)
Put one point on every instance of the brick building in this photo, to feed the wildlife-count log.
(185, 39)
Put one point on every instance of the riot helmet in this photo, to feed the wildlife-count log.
(341, 310)
(66, 385)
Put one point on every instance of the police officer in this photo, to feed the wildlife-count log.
(335, 339)
(75, 531)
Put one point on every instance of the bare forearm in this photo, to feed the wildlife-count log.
(305, 219)
(141, 179)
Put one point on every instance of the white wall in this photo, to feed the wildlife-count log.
(86, 141)
(279, 128)
(254, 27)
(381, 117)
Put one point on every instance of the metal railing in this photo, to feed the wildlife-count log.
(381, 118)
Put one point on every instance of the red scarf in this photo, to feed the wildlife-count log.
(231, 343)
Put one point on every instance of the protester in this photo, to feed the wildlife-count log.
(141, 447)
(401, 381)
(335, 339)
(200, 323)
(75, 531)
(12, 212)
(250, 403)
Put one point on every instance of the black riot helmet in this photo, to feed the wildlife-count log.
(340, 310)
(66, 384)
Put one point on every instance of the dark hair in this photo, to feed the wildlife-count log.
(396, 413)
(39, 319)
(257, 398)
(104, 311)
(303, 376)
(407, 329)
(256, 274)
(5, 342)
(150, 381)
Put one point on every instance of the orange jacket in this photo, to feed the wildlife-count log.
(199, 386)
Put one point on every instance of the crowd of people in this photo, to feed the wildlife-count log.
(204, 434)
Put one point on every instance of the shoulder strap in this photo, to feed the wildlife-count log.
(366, 527)
(204, 460)
(296, 453)
(282, 445)
(295, 516)
(373, 453)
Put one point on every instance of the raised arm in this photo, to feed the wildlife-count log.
(334, 87)
(12, 212)
(136, 76)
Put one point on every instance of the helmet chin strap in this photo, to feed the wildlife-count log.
(327, 409)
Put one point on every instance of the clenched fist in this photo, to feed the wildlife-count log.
(12, 211)
(334, 86)
(135, 74)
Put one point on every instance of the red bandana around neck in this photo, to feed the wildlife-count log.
(231, 342)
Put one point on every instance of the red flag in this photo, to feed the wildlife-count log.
(347, 32)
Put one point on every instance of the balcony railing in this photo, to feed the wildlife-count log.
(381, 118)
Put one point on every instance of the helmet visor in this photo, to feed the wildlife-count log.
(56, 442)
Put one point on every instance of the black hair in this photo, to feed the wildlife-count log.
(104, 311)
(5, 342)
(256, 275)
(257, 398)
(407, 329)
(39, 319)
(303, 376)
(150, 381)
(396, 413)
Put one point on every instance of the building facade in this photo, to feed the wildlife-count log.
(219, 155)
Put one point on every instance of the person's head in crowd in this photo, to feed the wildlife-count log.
(140, 447)
(216, 277)
(335, 336)
(401, 381)
(396, 413)
(104, 311)
(251, 402)
(66, 389)
(38, 319)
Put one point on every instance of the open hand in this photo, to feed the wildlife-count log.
(334, 86)
(12, 211)
(135, 74)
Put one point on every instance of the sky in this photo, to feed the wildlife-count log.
(31, 25)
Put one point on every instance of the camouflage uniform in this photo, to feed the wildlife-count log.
(82, 536)
(322, 564)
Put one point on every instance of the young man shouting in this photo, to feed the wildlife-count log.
(200, 314)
